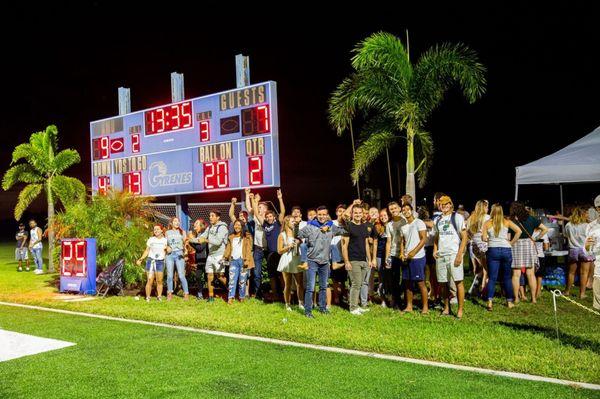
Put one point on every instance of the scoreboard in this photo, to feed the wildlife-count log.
(224, 141)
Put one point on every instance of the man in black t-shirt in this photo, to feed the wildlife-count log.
(21, 251)
(358, 255)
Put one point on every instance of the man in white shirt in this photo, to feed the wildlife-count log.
(412, 252)
(448, 250)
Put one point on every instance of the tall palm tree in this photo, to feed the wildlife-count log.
(395, 98)
(42, 171)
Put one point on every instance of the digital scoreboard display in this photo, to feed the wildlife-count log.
(224, 141)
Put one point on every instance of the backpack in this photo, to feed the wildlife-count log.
(453, 222)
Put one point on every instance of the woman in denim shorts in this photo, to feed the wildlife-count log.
(575, 231)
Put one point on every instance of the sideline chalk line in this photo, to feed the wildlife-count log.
(497, 373)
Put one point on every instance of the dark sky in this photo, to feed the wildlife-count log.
(62, 64)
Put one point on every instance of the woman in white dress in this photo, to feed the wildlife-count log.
(289, 262)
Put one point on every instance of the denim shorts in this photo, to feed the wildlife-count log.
(336, 256)
(579, 255)
(159, 265)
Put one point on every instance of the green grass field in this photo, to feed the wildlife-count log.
(520, 340)
(121, 360)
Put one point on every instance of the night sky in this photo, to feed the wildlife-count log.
(62, 64)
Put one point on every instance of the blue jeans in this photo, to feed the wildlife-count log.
(173, 259)
(322, 270)
(237, 278)
(37, 257)
(303, 253)
(499, 260)
(259, 254)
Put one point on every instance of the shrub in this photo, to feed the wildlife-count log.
(121, 224)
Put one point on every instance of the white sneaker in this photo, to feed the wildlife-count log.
(288, 308)
(364, 310)
(454, 300)
(301, 306)
(383, 305)
(38, 271)
(356, 312)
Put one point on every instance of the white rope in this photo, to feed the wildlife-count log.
(557, 293)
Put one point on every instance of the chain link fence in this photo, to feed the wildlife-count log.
(164, 212)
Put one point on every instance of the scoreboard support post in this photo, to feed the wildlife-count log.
(124, 101)
(178, 94)
(242, 79)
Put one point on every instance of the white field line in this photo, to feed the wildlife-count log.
(509, 374)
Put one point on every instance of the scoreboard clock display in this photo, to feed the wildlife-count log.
(78, 265)
(223, 141)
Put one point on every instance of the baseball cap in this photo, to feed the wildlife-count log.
(444, 200)
(597, 201)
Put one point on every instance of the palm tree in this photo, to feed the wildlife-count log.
(42, 170)
(395, 98)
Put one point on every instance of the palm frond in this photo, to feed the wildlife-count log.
(386, 52)
(68, 190)
(33, 155)
(367, 92)
(369, 150)
(64, 160)
(424, 155)
(445, 65)
(26, 197)
(21, 173)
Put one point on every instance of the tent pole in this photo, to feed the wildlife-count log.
(562, 205)
(516, 191)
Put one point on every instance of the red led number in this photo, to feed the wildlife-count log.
(204, 131)
(168, 118)
(135, 143)
(103, 184)
(256, 120)
(255, 170)
(216, 175)
(132, 182)
(73, 255)
(262, 119)
(101, 148)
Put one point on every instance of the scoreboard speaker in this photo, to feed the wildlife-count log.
(78, 265)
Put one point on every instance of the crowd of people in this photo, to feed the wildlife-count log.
(362, 255)
(392, 255)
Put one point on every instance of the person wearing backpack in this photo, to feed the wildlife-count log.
(216, 236)
(448, 250)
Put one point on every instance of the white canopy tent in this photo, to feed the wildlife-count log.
(578, 162)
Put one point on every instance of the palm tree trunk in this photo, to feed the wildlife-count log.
(50, 229)
(410, 164)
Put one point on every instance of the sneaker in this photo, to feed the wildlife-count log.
(38, 271)
(309, 315)
(325, 311)
(364, 309)
(454, 300)
(383, 305)
(199, 297)
(211, 299)
(301, 306)
(27, 269)
(159, 298)
(230, 301)
(356, 312)
(288, 308)
(148, 299)
(19, 269)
